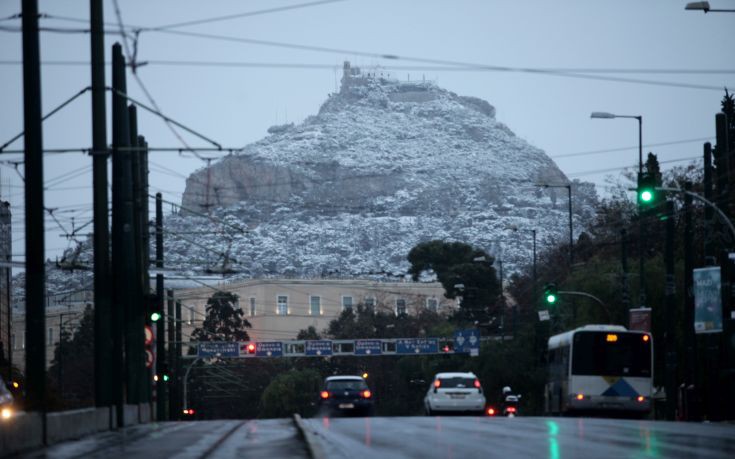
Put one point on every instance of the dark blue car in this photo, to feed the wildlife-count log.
(346, 395)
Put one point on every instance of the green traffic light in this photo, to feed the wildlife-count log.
(165, 378)
(551, 298)
(155, 316)
(646, 196)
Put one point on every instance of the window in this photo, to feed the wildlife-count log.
(191, 315)
(432, 304)
(400, 306)
(50, 336)
(12, 340)
(252, 306)
(23, 341)
(282, 305)
(346, 302)
(315, 305)
(370, 303)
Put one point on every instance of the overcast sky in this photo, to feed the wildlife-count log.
(235, 104)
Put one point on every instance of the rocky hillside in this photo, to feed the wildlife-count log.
(384, 164)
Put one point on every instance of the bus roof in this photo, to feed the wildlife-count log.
(566, 337)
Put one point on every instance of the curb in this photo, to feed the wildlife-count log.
(309, 437)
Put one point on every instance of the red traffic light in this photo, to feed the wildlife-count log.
(251, 348)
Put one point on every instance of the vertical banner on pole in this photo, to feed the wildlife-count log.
(707, 300)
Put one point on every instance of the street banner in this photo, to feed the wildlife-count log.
(707, 300)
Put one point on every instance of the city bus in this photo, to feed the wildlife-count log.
(600, 369)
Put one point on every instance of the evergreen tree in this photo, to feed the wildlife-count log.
(72, 370)
(224, 322)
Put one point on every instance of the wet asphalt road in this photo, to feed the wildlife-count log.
(407, 437)
(270, 438)
(553, 438)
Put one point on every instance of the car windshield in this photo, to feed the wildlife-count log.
(347, 384)
(456, 382)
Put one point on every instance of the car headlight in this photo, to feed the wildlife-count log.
(6, 413)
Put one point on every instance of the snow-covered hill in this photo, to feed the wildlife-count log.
(384, 164)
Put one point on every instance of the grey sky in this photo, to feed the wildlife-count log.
(235, 105)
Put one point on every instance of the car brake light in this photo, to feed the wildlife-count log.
(580, 396)
(641, 398)
(491, 411)
(511, 409)
(366, 394)
(646, 338)
(437, 383)
(324, 394)
(477, 383)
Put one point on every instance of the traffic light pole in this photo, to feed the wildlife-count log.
(587, 295)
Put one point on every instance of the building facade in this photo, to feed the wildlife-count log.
(278, 309)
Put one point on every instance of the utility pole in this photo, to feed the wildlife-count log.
(670, 315)
(103, 321)
(690, 401)
(177, 362)
(139, 373)
(161, 358)
(624, 267)
(34, 208)
(122, 267)
(172, 414)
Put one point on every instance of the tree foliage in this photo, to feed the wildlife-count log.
(224, 321)
(463, 271)
(71, 372)
(291, 392)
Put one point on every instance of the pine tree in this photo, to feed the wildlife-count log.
(224, 322)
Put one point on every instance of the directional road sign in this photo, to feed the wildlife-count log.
(219, 349)
(318, 347)
(466, 340)
(417, 346)
(368, 347)
(269, 349)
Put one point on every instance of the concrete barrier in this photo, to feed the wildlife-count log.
(68, 425)
(22, 432)
(130, 415)
(144, 413)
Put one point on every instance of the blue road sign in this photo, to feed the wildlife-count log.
(466, 340)
(417, 346)
(269, 349)
(218, 349)
(318, 347)
(368, 347)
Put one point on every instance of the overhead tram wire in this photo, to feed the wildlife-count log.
(417, 68)
(460, 65)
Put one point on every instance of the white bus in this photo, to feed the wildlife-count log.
(600, 368)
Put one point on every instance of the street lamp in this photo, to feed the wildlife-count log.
(704, 6)
(641, 228)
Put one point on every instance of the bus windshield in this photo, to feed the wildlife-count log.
(611, 354)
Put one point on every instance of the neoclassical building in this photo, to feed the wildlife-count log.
(279, 308)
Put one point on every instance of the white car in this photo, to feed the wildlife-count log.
(455, 392)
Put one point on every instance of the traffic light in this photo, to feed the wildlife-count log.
(646, 190)
(551, 294)
(250, 348)
(154, 308)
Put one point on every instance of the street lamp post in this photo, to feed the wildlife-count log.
(641, 227)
